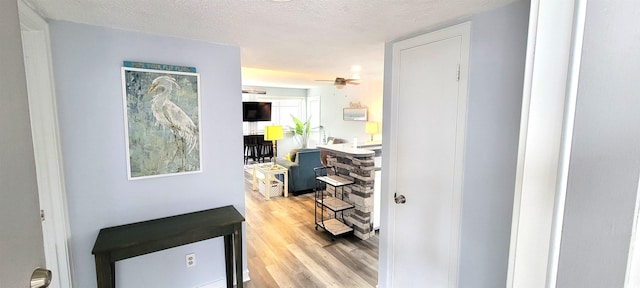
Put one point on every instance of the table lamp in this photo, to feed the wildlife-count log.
(371, 128)
(273, 133)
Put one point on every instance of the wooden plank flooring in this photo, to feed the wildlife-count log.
(285, 250)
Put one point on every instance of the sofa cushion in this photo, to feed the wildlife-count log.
(293, 154)
(301, 175)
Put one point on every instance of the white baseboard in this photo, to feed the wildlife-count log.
(222, 283)
(217, 284)
(245, 276)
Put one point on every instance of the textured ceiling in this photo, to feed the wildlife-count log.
(287, 44)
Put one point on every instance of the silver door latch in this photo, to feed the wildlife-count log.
(400, 199)
(41, 278)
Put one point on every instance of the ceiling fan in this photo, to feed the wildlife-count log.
(342, 82)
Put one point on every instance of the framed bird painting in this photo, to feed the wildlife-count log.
(162, 122)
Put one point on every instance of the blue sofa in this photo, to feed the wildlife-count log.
(301, 176)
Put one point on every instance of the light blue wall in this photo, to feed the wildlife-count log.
(496, 74)
(87, 62)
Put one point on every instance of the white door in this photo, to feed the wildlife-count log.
(20, 232)
(46, 144)
(426, 155)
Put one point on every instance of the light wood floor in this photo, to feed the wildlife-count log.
(285, 250)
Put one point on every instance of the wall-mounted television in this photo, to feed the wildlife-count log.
(256, 111)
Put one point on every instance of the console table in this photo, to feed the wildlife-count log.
(126, 241)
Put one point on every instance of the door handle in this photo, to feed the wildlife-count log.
(400, 199)
(41, 278)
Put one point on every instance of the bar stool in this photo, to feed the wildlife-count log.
(250, 149)
(265, 150)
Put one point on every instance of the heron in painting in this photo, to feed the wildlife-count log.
(171, 116)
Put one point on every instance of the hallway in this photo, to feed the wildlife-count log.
(284, 249)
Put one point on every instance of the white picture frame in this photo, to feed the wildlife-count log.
(354, 114)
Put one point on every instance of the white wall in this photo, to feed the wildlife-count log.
(332, 101)
(21, 244)
(605, 154)
(87, 62)
(278, 91)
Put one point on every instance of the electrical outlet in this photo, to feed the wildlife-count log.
(191, 260)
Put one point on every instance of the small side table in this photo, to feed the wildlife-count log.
(126, 241)
(269, 174)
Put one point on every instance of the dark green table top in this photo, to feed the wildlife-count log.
(149, 236)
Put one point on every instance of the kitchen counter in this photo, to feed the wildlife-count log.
(347, 148)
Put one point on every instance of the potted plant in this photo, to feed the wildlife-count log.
(301, 131)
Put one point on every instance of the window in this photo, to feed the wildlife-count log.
(314, 111)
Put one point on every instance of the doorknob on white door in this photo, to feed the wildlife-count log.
(41, 278)
(400, 199)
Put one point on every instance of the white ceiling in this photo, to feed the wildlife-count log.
(285, 44)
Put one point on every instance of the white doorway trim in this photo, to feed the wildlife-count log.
(46, 144)
(546, 130)
(632, 277)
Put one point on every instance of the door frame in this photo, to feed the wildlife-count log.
(46, 143)
(632, 275)
(387, 241)
(552, 70)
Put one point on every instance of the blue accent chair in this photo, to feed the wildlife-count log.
(301, 176)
